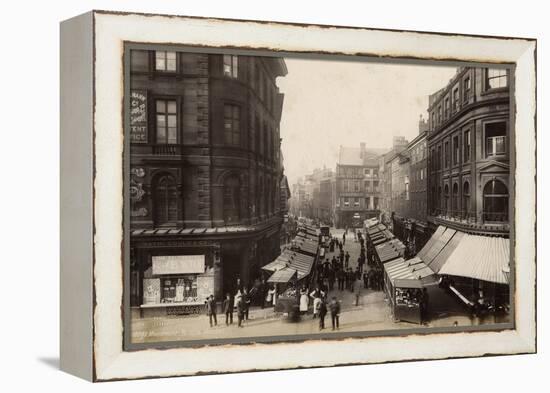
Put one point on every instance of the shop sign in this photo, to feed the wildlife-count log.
(138, 116)
(178, 264)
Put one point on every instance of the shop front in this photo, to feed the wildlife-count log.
(179, 284)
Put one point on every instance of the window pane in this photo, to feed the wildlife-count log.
(235, 66)
(227, 60)
(161, 121)
(172, 135)
(160, 64)
(161, 106)
(171, 55)
(500, 144)
(172, 122)
(172, 108)
(171, 65)
(161, 135)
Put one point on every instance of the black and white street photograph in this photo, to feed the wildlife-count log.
(291, 196)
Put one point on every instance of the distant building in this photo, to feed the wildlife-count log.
(411, 178)
(391, 188)
(357, 186)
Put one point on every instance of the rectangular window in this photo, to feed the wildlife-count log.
(447, 155)
(495, 139)
(356, 202)
(165, 61)
(467, 146)
(456, 99)
(467, 88)
(439, 115)
(167, 121)
(232, 125)
(231, 66)
(456, 150)
(346, 202)
(496, 78)
(447, 108)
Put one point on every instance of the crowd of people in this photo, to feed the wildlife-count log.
(330, 275)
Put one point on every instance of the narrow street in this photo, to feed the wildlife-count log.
(371, 314)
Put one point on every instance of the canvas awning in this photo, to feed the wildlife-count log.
(282, 276)
(390, 250)
(438, 232)
(480, 257)
(301, 263)
(412, 273)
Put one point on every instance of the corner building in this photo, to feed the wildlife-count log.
(469, 152)
(205, 175)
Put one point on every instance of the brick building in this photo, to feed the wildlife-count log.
(205, 174)
(357, 186)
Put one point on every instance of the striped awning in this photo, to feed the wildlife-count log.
(412, 273)
(282, 276)
(480, 257)
(301, 263)
(390, 250)
(437, 234)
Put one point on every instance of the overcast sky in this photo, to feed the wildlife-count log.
(332, 103)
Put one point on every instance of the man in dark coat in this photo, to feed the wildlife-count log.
(246, 301)
(211, 310)
(228, 309)
(322, 313)
(335, 313)
(347, 260)
(240, 311)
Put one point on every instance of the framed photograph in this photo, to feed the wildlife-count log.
(243, 195)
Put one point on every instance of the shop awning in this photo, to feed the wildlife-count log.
(301, 263)
(308, 247)
(282, 276)
(438, 245)
(438, 232)
(413, 273)
(390, 250)
(442, 257)
(480, 257)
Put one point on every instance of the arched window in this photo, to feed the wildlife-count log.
(455, 201)
(466, 199)
(446, 200)
(495, 201)
(231, 200)
(165, 201)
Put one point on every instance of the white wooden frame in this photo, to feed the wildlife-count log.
(92, 198)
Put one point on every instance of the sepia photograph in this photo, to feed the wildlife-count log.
(276, 197)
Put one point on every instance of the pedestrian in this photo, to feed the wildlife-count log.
(366, 280)
(304, 301)
(335, 313)
(347, 260)
(211, 310)
(316, 305)
(358, 291)
(342, 279)
(269, 297)
(331, 278)
(246, 303)
(240, 311)
(344, 238)
(228, 309)
(322, 314)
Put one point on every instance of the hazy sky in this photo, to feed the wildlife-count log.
(333, 103)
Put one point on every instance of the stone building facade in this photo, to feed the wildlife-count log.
(470, 141)
(205, 172)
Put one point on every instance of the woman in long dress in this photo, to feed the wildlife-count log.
(304, 301)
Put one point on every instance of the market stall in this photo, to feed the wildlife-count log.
(404, 283)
